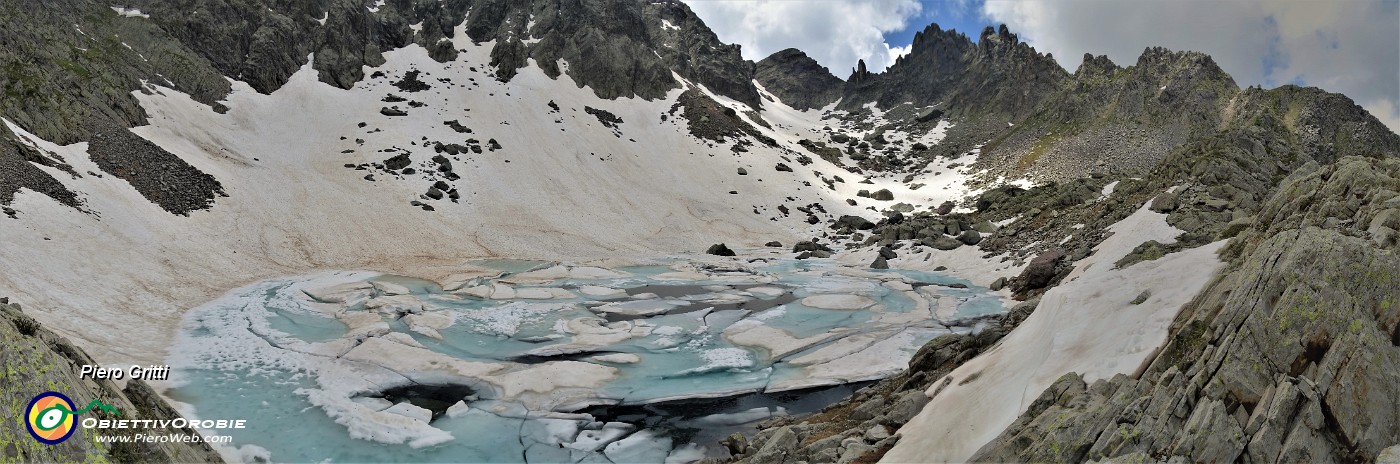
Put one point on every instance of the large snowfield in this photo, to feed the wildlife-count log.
(120, 277)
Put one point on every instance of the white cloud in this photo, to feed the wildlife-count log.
(836, 33)
(1385, 110)
(1347, 47)
(896, 52)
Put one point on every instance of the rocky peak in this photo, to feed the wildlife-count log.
(1196, 66)
(935, 40)
(999, 35)
(944, 66)
(1096, 66)
(798, 79)
(859, 73)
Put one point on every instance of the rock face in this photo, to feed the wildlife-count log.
(54, 93)
(67, 98)
(798, 80)
(617, 48)
(608, 44)
(32, 356)
(1275, 361)
(1290, 356)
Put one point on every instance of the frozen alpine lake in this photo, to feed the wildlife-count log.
(514, 360)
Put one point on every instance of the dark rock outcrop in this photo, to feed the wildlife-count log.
(719, 249)
(398, 162)
(712, 121)
(852, 223)
(1040, 273)
(157, 174)
(18, 171)
(809, 246)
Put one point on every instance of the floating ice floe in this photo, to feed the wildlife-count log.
(838, 301)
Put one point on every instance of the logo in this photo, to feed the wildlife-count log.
(50, 416)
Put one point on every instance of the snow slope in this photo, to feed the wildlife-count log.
(1087, 325)
(118, 279)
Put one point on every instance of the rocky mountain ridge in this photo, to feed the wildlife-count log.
(1017, 106)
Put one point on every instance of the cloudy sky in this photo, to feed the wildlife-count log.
(1347, 46)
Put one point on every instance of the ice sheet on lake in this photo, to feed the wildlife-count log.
(536, 346)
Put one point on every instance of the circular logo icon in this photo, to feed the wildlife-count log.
(49, 418)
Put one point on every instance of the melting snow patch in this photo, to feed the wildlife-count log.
(722, 358)
(130, 12)
(1086, 324)
(506, 319)
(845, 302)
(1108, 190)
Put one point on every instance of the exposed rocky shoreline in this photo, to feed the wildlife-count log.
(861, 428)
